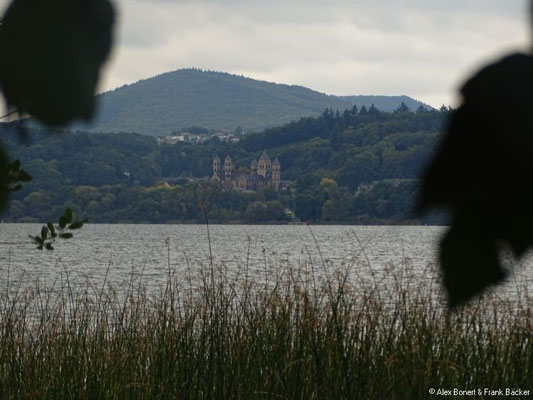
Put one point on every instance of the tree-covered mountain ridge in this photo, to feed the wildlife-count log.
(361, 166)
(180, 99)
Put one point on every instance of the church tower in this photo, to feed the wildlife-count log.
(228, 168)
(276, 174)
(216, 168)
(264, 166)
(253, 167)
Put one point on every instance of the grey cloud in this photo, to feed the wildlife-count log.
(388, 16)
(417, 47)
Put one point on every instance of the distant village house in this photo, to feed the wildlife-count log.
(262, 173)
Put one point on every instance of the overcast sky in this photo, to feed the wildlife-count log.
(421, 48)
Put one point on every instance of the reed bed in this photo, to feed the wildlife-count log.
(299, 334)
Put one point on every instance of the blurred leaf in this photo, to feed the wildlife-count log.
(4, 181)
(15, 174)
(49, 232)
(62, 222)
(44, 232)
(71, 40)
(36, 239)
(52, 229)
(76, 225)
(24, 176)
(68, 215)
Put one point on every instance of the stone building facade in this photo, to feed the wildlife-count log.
(261, 173)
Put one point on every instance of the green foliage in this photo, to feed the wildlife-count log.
(50, 232)
(266, 211)
(374, 158)
(54, 158)
(15, 174)
(10, 177)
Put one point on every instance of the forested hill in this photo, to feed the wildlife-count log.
(359, 166)
(215, 100)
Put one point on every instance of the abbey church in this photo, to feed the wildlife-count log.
(261, 173)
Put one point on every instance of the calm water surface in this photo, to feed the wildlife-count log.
(150, 251)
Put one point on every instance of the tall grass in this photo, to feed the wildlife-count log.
(293, 336)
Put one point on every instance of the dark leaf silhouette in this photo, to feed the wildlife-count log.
(62, 222)
(4, 179)
(65, 219)
(52, 229)
(77, 224)
(50, 232)
(482, 173)
(51, 53)
(10, 175)
(44, 232)
(68, 215)
(36, 239)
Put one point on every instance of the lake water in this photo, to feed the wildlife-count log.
(118, 252)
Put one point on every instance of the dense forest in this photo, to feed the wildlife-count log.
(361, 166)
(215, 100)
